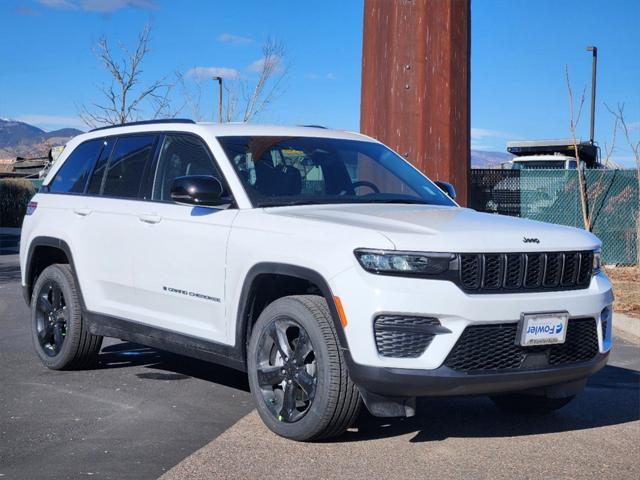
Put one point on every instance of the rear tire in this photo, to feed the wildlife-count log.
(295, 352)
(530, 404)
(60, 337)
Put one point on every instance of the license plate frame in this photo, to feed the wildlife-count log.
(548, 332)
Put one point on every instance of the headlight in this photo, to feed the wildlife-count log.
(597, 262)
(392, 262)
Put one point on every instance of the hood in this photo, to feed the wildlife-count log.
(447, 229)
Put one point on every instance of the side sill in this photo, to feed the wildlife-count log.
(214, 352)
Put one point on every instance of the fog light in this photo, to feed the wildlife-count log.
(597, 262)
(605, 320)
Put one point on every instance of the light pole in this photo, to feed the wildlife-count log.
(219, 80)
(594, 63)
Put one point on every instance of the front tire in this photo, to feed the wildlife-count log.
(530, 404)
(60, 337)
(297, 373)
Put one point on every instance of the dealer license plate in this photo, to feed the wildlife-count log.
(543, 328)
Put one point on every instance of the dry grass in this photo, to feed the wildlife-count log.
(626, 287)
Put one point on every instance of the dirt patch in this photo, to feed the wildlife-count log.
(626, 287)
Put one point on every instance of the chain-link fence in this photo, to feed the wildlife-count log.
(553, 196)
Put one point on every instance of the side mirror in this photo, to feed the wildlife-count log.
(197, 190)
(447, 188)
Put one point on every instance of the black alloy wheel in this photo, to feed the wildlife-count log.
(51, 318)
(61, 338)
(297, 373)
(286, 369)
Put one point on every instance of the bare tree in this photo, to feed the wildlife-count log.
(588, 196)
(125, 97)
(634, 145)
(245, 98)
(271, 71)
(574, 121)
(192, 95)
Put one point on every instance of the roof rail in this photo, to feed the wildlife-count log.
(145, 122)
(314, 126)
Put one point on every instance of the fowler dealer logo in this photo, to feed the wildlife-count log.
(545, 329)
(191, 294)
(530, 240)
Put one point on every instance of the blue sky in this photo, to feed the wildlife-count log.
(519, 52)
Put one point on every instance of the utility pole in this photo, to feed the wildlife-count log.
(594, 64)
(219, 80)
(416, 84)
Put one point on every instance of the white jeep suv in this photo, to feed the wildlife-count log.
(318, 261)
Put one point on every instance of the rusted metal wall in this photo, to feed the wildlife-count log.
(415, 83)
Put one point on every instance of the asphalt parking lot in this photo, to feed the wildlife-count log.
(145, 413)
(137, 415)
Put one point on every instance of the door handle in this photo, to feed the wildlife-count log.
(149, 218)
(82, 212)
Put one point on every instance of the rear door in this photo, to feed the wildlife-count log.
(180, 250)
(65, 205)
(114, 195)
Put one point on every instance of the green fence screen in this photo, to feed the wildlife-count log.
(553, 196)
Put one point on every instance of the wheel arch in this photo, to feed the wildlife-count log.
(250, 301)
(43, 252)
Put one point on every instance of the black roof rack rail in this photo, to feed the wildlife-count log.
(314, 126)
(145, 122)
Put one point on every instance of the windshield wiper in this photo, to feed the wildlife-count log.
(292, 203)
(327, 201)
(401, 200)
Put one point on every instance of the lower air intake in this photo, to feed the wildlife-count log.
(483, 348)
(403, 336)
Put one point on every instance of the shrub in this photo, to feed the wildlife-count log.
(15, 194)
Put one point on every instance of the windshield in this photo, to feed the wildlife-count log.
(542, 164)
(278, 171)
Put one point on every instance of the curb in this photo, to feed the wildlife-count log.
(626, 325)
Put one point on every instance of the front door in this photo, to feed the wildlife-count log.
(180, 251)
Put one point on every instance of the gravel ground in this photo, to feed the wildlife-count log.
(596, 436)
(626, 287)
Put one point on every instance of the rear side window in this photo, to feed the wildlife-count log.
(72, 176)
(127, 166)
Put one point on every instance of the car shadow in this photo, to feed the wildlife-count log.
(9, 273)
(612, 397)
(9, 244)
(172, 366)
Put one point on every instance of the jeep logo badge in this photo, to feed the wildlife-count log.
(530, 240)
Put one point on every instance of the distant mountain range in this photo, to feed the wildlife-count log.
(19, 139)
(482, 159)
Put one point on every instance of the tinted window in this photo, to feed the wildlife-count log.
(127, 165)
(181, 155)
(73, 174)
(297, 170)
(95, 182)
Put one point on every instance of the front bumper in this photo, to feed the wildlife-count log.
(364, 296)
(402, 382)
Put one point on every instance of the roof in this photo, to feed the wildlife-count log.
(543, 158)
(560, 142)
(207, 130)
(587, 151)
(221, 130)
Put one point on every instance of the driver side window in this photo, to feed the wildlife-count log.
(181, 155)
